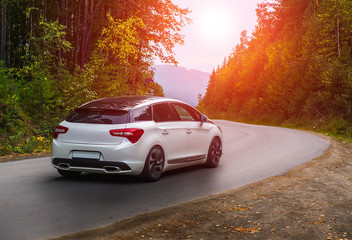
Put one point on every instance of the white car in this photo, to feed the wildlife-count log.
(134, 135)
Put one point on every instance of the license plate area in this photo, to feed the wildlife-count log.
(86, 154)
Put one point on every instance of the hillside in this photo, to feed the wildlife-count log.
(295, 68)
(181, 83)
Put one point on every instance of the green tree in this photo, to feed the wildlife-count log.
(55, 55)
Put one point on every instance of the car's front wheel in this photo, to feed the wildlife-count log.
(214, 153)
(154, 164)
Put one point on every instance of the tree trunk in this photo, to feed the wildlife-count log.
(77, 28)
(338, 36)
(84, 32)
(92, 13)
(44, 3)
(62, 12)
(62, 21)
(3, 32)
(338, 30)
(8, 38)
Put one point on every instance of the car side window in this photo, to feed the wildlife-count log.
(141, 114)
(163, 112)
(186, 113)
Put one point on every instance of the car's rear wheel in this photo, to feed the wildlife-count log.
(214, 153)
(68, 173)
(154, 164)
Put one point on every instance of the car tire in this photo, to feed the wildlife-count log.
(214, 153)
(68, 173)
(154, 165)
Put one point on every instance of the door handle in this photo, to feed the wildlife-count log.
(165, 132)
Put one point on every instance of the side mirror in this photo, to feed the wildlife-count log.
(203, 119)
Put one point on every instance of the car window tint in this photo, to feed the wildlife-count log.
(183, 113)
(96, 116)
(186, 112)
(163, 112)
(141, 114)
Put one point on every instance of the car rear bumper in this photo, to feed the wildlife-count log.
(90, 165)
(125, 158)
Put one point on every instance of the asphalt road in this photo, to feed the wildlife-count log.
(36, 203)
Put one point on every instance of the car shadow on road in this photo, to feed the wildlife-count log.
(125, 179)
(99, 178)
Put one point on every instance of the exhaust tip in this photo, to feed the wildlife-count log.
(63, 165)
(111, 169)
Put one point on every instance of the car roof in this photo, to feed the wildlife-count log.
(124, 103)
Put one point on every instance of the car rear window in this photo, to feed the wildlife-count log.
(141, 114)
(98, 116)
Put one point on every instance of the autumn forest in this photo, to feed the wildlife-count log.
(295, 69)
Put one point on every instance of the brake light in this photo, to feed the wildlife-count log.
(132, 134)
(60, 130)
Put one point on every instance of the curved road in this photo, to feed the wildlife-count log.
(36, 203)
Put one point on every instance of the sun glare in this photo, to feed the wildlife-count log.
(216, 24)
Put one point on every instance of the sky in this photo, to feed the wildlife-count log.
(215, 31)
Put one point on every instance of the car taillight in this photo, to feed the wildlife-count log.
(60, 130)
(132, 134)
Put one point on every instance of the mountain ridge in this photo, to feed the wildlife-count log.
(182, 83)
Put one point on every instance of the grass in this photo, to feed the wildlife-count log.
(20, 137)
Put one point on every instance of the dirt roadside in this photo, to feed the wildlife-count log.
(312, 201)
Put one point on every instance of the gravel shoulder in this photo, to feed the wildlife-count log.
(311, 201)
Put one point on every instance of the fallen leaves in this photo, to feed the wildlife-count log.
(239, 208)
(320, 222)
(247, 230)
